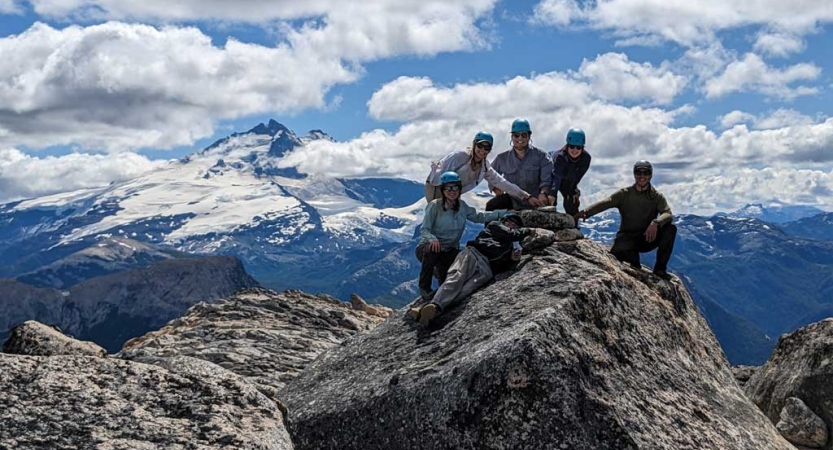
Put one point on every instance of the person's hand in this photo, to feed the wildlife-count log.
(533, 201)
(651, 232)
(575, 198)
(516, 254)
(542, 198)
(551, 200)
(497, 192)
(580, 215)
(434, 246)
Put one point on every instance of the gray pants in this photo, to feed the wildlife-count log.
(469, 272)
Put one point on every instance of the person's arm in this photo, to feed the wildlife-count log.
(611, 202)
(665, 215)
(495, 179)
(449, 162)
(426, 233)
(474, 215)
(503, 233)
(497, 167)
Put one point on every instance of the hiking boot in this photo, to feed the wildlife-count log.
(414, 313)
(427, 314)
(426, 294)
(663, 274)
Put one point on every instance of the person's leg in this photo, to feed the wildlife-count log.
(502, 201)
(625, 250)
(464, 267)
(445, 260)
(570, 207)
(665, 246)
(426, 273)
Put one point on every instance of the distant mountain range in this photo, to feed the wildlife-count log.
(756, 272)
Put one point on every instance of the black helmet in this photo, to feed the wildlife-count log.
(643, 164)
(514, 218)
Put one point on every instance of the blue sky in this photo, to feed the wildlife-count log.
(732, 102)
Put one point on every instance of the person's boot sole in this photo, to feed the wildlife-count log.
(427, 314)
(414, 312)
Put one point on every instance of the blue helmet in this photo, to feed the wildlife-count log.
(449, 177)
(521, 125)
(484, 136)
(575, 137)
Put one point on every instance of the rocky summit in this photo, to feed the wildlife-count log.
(76, 402)
(36, 339)
(572, 351)
(795, 387)
(267, 337)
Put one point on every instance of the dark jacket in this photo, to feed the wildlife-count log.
(637, 209)
(567, 173)
(495, 243)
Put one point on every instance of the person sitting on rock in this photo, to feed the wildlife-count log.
(442, 227)
(496, 249)
(568, 168)
(473, 167)
(640, 230)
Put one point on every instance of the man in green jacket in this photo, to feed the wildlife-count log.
(646, 221)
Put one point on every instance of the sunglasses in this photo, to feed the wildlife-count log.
(642, 173)
(451, 188)
(575, 147)
(483, 146)
(520, 135)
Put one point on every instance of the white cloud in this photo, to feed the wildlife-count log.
(557, 12)
(684, 21)
(613, 77)
(753, 74)
(782, 118)
(735, 117)
(610, 77)
(116, 85)
(779, 44)
(23, 176)
(9, 7)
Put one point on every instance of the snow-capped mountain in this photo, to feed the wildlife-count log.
(774, 212)
(234, 197)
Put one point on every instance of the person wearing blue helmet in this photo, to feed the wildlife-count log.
(496, 249)
(568, 168)
(472, 167)
(442, 227)
(524, 165)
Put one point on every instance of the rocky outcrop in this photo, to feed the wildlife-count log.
(36, 339)
(267, 337)
(574, 350)
(72, 402)
(801, 426)
(744, 373)
(801, 367)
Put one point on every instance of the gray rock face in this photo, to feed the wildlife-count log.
(744, 373)
(264, 336)
(571, 351)
(802, 367)
(36, 339)
(548, 218)
(72, 402)
(801, 426)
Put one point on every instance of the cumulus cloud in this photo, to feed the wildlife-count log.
(735, 117)
(683, 21)
(23, 176)
(778, 44)
(610, 77)
(9, 7)
(753, 74)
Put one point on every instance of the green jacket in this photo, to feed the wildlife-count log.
(637, 209)
(447, 226)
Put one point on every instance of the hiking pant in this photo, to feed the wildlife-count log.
(440, 261)
(626, 248)
(469, 272)
(570, 207)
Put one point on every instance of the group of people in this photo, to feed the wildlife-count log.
(523, 177)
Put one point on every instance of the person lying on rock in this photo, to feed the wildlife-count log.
(496, 249)
(473, 167)
(442, 227)
(640, 230)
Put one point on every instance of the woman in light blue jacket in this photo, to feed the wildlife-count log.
(472, 167)
(442, 227)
